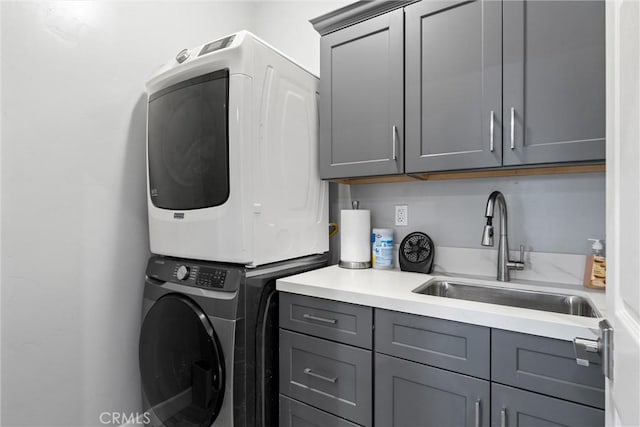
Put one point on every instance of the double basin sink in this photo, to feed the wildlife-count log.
(534, 300)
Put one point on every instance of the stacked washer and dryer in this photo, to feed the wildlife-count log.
(235, 202)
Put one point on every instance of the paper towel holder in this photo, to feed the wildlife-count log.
(355, 265)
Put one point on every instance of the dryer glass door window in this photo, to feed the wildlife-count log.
(188, 141)
(181, 364)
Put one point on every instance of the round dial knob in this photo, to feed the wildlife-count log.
(182, 56)
(183, 272)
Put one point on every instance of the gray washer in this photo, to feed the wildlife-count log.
(208, 347)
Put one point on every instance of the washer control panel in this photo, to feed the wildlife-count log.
(199, 274)
(211, 277)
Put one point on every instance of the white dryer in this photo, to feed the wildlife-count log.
(232, 134)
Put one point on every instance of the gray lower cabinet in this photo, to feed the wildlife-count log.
(361, 98)
(455, 346)
(511, 407)
(546, 366)
(327, 375)
(453, 85)
(325, 363)
(333, 320)
(297, 414)
(410, 370)
(412, 394)
(554, 81)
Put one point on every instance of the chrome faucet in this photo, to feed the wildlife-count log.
(504, 263)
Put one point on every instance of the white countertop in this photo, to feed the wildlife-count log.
(391, 290)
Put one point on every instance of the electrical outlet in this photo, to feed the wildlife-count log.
(402, 215)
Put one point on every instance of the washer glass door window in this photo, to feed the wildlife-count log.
(181, 363)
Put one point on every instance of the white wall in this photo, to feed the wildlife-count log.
(73, 218)
(74, 230)
(74, 239)
(285, 25)
(546, 213)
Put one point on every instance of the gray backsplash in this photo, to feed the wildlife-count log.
(554, 213)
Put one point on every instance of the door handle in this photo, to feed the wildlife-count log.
(491, 130)
(394, 141)
(477, 424)
(503, 417)
(588, 350)
(513, 128)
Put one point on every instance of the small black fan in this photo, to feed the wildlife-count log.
(416, 253)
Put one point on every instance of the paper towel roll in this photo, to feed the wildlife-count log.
(355, 238)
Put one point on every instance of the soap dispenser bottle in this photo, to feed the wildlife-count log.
(595, 272)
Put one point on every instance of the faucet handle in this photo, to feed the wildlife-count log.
(517, 265)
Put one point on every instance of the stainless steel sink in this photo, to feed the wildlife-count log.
(556, 303)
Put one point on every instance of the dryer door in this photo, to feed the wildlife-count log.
(188, 143)
(181, 364)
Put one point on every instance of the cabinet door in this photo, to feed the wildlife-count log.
(455, 346)
(545, 365)
(334, 320)
(333, 377)
(298, 414)
(554, 81)
(361, 98)
(453, 85)
(512, 407)
(409, 394)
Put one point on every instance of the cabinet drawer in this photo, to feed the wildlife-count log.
(411, 394)
(337, 321)
(455, 346)
(511, 407)
(545, 365)
(330, 376)
(297, 414)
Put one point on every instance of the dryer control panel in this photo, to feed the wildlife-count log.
(207, 275)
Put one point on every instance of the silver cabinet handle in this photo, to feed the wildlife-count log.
(513, 128)
(319, 319)
(394, 139)
(503, 417)
(309, 372)
(491, 129)
(477, 413)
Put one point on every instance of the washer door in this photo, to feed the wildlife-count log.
(181, 363)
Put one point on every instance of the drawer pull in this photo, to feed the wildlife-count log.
(477, 424)
(503, 417)
(319, 319)
(309, 372)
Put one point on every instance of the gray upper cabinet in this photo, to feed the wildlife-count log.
(554, 81)
(453, 85)
(481, 84)
(361, 98)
